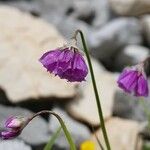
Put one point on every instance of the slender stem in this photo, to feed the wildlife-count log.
(51, 142)
(67, 134)
(95, 88)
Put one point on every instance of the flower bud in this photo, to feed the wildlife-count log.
(9, 134)
(13, 127)
(14, 122)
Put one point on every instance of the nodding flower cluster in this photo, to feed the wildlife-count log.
(66, 62)
(134, 80)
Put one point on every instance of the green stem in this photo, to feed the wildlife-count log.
(95, 89)
(51, 142)
(67, 134)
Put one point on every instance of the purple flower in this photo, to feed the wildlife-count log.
(9, 134)
(13, 127)
(67, 63)
(134, 81)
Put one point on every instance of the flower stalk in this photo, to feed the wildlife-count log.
(100, 112)
(67, 134)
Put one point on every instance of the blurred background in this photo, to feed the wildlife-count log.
(118, 35)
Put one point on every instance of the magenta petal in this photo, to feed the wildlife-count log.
(8, 121)
(49, 59)
(142, 87)
(64, 61)
(79, 67)
(128, 81)
(77, 71)
(9, 134)
(124, 73)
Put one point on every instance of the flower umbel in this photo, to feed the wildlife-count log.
(68, 63)
(13, 127)
(134, 80)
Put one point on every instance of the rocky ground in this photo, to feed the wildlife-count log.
(118, 35)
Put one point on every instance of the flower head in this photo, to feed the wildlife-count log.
(13, 127)
(134, 80)
(65, 62)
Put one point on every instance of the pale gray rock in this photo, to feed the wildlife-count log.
(131, 55)
(31, 134)
(24, 39)
(97, 13)
(26, 6)
(130, 7)
(71, 16)
(146, 28)
(123, 134)
(14, 145)
(130, 107)
(118, 33)
(84, 107)
(78, 131)
(102, 15)
(70, 25)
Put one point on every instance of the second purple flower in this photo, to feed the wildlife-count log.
(67, 63)
(134, 80)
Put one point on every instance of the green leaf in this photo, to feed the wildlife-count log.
(51, 142)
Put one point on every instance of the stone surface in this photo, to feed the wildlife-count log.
(109, 39)
(123, 135)
(128, 106)
(31, 134)
(73, 14)
(78, 131)
(84, 107)
(23, 40)
(131, 55)
(14, 145)
(130, 7)
(146, 28)
(97, 13)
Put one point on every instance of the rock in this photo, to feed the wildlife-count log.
(97, 13)
(131, 55)
(146, 28)
(70, 25)
(122, 133)
(109, 39)
(14, 145)
(130, 7)
(84, 107)
(31, 134)
(21, 46)
(128, 106)
(26, 6)
(78, 131)
(73, 14)
(102, 12)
